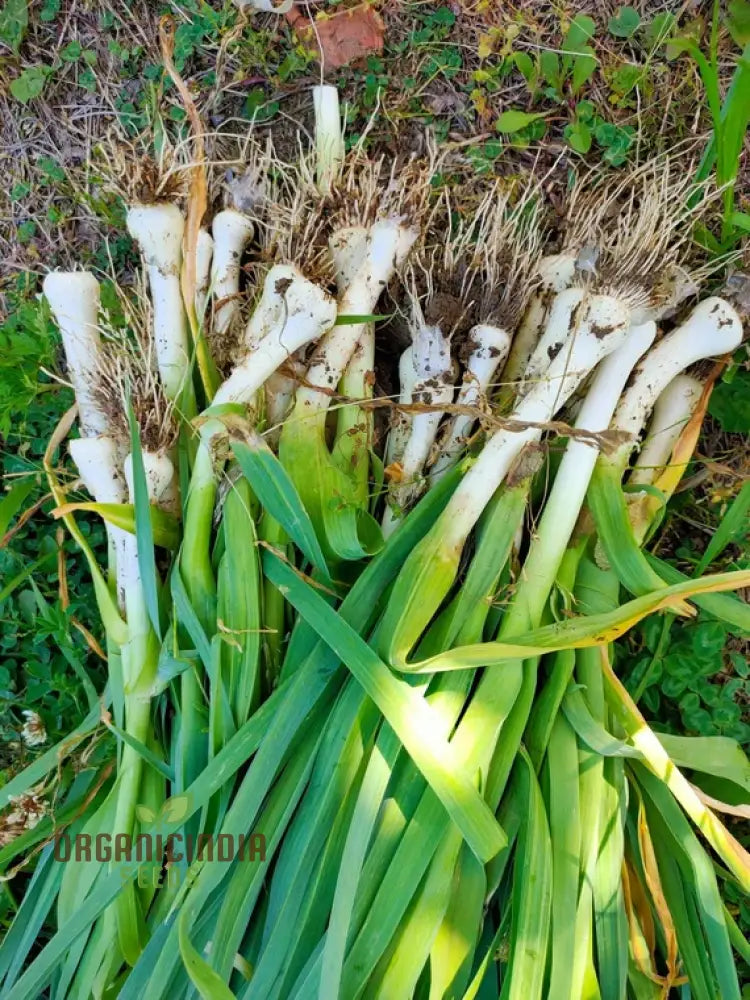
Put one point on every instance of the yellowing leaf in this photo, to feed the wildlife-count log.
(486, 46)
(479, 101)
(514, 121)
(653, 881)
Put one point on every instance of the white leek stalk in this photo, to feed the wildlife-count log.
(280, 389)
(160, 486)
(672, 410)
(329, 139)
(203, 253)
(380, 251)
(434, 388)
(476, 739)
(140, 657)
(563, 506)
(348, 249)
(161, 477)
(292, 312)
(232, 231)
(353, 424)
(711, 329)
(491, 345)
(399, 432)
(557, 329)
(73, 297)
(99, 461)
(158, 230)
(556, 273)
(601, 331)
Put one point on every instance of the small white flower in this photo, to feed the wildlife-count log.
(33, 732)
(25, 811)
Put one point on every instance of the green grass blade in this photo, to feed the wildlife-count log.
(312, 680)
(38, 974)
(247, 883)
(151, 758)
(99, 962)
(136, 984)
(79, 875)
(739, 942)
(547, 705)
(37, 902)
(643, 737)
(296, 886)
(364, 818)
(314, 914)
(331, 496)
(725, 607)
(463, 620)
(591, 732)
(474, 989)
(608, 505)
(273, 614)
(692, 945)
(13, 501)
(208, 983)
(732, 525)
(115, 627)
(719, 756)
(395, 891)
(187, 617)
(165, 526)
(577, 632)
(346, 737)
(23, 575)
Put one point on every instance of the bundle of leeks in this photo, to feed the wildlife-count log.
(395, 663)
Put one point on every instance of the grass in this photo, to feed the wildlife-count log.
(85, 96)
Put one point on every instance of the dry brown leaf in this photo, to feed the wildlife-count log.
(653, 881)
(341, 38)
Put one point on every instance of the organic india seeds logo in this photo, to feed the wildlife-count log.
(160, 852)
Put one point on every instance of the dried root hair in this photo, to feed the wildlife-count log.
(509, 239)
(368, 190)
(587, 206)
(737, 290)
(247, 186)
(138, 178)
(441, 281)
(129, 378)
(645, 239)
(290, 217)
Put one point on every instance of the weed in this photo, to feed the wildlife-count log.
(45, 663)
(730, 117)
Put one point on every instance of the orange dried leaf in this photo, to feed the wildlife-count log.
(341, 38)
(394, 472)
(653, 880)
